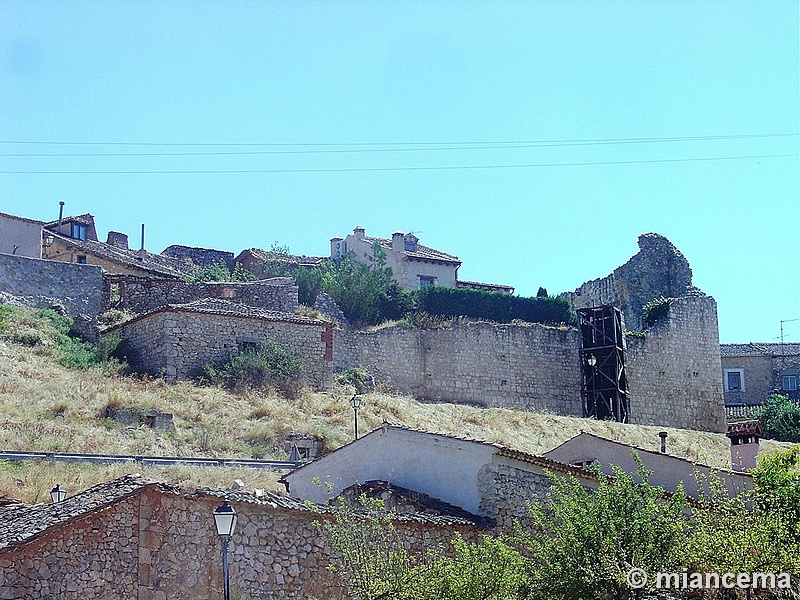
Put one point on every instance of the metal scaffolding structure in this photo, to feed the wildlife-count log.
(604, 384)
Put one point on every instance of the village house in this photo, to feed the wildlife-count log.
(133, 538)
(751, 372)
(20, 236)
(486, 480)
(74, 239)
(669, 471)
(414, 266)
(175, 339)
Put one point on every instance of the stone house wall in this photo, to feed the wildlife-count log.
(202, 257)
(143, 294)
(60, 251)
(43, 282)
(175, 342)
(157, 545)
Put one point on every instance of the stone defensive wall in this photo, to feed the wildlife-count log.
(41, 283)
(673, 371)
(143, 294)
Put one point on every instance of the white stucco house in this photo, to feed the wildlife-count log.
(668, 471)
(484, 479)
(414, 265)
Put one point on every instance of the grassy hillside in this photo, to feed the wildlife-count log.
(45, 406)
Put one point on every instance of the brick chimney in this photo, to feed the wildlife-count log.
(117, 239)
(744, 437)
(358, 233)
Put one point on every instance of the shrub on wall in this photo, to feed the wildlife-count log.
(655, 310)
(268, 366)
(780, 418)
(494, 306)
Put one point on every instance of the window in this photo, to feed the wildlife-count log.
(410, 247)
(425, 281)
(248, 345)
(734, 380)
(78, 231)
(790, 383)
(81, 260)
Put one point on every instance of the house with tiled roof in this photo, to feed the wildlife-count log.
(414, 265)
(74, 239)
(668, 471)
(134, 538)
(175, 339)
(753, 371)
(483, 479)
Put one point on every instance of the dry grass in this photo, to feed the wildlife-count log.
(46, 407)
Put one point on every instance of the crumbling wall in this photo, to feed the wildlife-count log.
(658, 269)
(202, 257)
(144, 294)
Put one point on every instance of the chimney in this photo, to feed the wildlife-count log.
(663, 436)
(744, 437)
(60, 216)
(117, 239)
(398, 242)
(358, 232)
(142, 251)
(338, 248)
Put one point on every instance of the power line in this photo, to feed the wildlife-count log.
(374, 169)
(372, 145)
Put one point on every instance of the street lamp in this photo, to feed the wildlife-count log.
(591, 361)
(355, 402)
(57, 494)
(225, 520)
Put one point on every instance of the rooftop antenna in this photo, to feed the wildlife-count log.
(786, 321)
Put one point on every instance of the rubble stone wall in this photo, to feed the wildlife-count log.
(76, 287)
(142, 294)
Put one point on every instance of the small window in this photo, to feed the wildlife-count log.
(79, 231)
(81, 260)
(790, 383)
(425, 281)
(734, 380)
(410, 247)
(248, 345)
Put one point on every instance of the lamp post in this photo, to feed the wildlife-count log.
(355, 402)
(57, 494)
(592, 362)
(225, 520)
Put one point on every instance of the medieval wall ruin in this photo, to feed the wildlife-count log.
(143, 294)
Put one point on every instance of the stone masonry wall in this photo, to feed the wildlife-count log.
(530, 367)
(161, 545)
(507, 489)
(673, 374)
(77, 287)
(202, 257)
(174, 343)
(142, 294)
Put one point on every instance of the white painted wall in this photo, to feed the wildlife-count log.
(668, 471)
(25, 234)
(439, 466)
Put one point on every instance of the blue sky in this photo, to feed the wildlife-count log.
(456, 120)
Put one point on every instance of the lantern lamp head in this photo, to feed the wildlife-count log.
(57, 494)
(591, 361)
(355, 401)
(225, 519)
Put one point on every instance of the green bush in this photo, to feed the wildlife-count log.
(218, 271)
(272, 365)
(655, 310)
(780, 418)
(494, 306)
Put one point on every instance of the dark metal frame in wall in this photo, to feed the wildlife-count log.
(604, 384)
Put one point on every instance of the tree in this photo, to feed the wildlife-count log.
(218, 271)
(583, 543)
(780, 418)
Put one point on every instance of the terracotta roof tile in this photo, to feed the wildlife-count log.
(422, 253)
(760, 349)
(158, 264)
